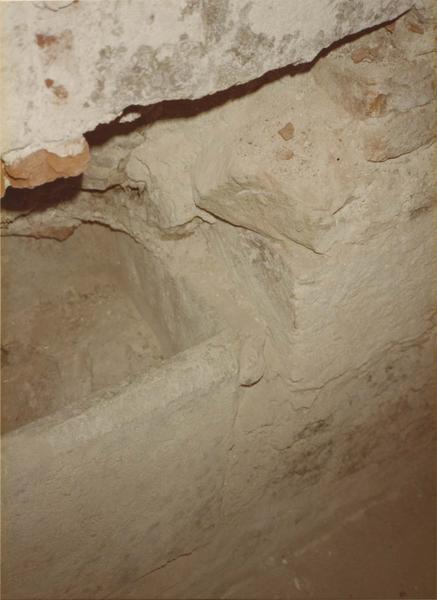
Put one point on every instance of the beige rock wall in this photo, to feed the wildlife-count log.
(290, 264)
(69, 66)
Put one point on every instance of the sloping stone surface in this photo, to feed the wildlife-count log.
(68, 66)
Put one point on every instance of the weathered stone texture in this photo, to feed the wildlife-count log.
(61, 79)
(280, 243)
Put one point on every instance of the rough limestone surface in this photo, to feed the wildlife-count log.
(59, 80)
(222, 336)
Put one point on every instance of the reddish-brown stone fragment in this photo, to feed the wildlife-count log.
(377, 106)
(287, 131)
(415, 27)
(365, 53)
(53, 232)
(43, 166)
(391, 26)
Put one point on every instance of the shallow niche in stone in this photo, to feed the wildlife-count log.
(87, 315)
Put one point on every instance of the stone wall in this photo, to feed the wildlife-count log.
(69, 66)
(278, 239)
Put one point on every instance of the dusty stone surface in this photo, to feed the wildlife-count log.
(58, 81)
(233, 446)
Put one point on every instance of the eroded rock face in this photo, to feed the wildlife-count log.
(302, 168)
(60, 80)
(286, 272)
(387, 80)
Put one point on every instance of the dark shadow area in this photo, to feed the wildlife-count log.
(42, 197)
